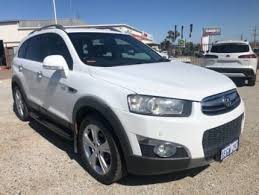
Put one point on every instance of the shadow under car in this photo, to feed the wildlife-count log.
(130, 180)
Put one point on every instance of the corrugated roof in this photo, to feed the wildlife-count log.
(41, 23)
(8, 21)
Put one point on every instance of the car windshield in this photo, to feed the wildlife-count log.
(230, 48)
(107, 49)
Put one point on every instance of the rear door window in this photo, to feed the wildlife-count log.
(230, 48)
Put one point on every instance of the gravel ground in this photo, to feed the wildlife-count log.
(33, 160)
(5, 73)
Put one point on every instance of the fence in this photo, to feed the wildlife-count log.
(191, 53)
(9, 50)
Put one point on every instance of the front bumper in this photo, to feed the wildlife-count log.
(153, 166)
(214, 140)
(186, 131)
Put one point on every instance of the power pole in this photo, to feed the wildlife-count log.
(55, 13)
(255, 36)
(71, 10)
(175, 32)
(191, 27)
(182, 32)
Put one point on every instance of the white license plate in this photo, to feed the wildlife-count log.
(229, 149)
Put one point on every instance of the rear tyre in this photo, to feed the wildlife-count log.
(20, 106)
(99, 151)
(252, 81)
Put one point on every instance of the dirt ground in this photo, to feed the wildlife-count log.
(4, 73)
(33, 160)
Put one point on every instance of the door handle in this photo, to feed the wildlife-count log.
(20, 67)
(39, 74)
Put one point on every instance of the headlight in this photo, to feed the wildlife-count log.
(159, 106)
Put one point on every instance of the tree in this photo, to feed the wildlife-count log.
(167, 44)
(172, 36)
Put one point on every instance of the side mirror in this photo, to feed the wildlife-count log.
(165, 57)
(55, 62)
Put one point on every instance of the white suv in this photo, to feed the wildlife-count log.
(125, 107)
(233, 58)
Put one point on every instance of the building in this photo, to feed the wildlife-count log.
(138, 34)
(207, 37)
(13, 31)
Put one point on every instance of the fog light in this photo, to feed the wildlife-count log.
(165, 150)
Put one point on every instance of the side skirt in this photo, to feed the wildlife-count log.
(51, 126)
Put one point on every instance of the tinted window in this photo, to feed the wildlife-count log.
(22, 50)
(41, 46)
(33, 51)
(230, 48)
(53, 44)
(107, 49)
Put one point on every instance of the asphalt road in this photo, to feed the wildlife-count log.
(33, 160)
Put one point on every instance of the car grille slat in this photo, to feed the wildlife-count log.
(217, 138)
(214, 108)
(220, 103)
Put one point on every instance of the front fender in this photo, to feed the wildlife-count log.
(101, 107)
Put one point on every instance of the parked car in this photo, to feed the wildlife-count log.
(154, 46)
(125, 107)
(199, 54)
(164, 54)
(233, 58)
(256, 51)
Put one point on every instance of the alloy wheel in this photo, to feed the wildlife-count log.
(97, 149)
(19, 102)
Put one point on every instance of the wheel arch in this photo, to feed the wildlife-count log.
(91, 104)
(17, 82)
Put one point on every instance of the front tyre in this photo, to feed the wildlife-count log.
(20, 106)
(99, 150)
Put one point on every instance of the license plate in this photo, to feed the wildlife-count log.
(229, 149)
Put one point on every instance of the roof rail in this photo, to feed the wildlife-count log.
(57, 26)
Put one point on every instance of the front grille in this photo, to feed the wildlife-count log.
(220, 103)
(217, 138)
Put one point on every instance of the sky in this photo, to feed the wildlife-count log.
(234, 17)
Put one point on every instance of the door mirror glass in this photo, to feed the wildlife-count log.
(55, 62)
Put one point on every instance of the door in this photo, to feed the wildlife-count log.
(27, 66)
(31, 66)
(58, 93)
